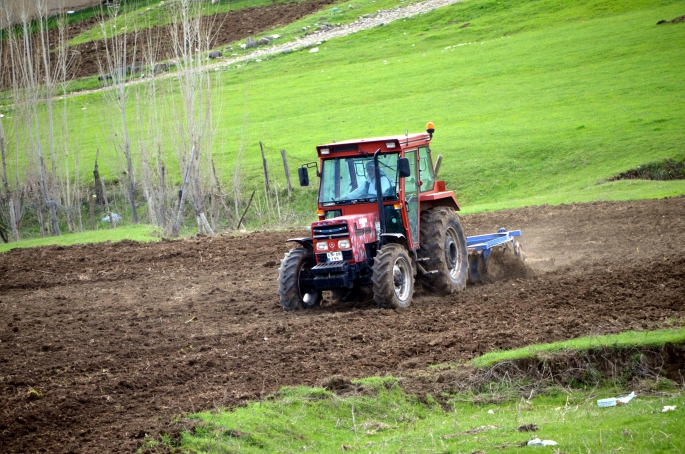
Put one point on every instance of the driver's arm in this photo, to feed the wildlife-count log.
(357, 193)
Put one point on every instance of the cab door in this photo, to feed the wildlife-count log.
(411, 199)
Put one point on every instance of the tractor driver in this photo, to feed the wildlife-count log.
(368, 188)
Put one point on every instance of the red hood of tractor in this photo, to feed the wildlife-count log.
(361, 229)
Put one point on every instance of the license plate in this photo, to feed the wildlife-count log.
(334, 256)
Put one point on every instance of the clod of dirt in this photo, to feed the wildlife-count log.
(672, 21)
(336, 382)
(234, 433)
(528, 428)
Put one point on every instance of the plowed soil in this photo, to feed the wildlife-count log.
(103, 344)
(225, 28)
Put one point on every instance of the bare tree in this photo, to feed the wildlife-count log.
(150, 144)
(11, 197)
(191, 37)
(12, 194)
(69, 178)
(119, 65)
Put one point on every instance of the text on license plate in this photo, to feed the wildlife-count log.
(334, 256)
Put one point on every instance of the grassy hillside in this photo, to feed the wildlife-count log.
(534, 102)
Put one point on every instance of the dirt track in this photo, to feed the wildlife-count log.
(101, 344)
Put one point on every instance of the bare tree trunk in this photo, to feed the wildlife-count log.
(190, 39)
(97, 181)
(8, 192)
(118, 67)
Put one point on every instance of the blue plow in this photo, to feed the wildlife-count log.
(480, 248)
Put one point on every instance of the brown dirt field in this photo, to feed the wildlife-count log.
(118, 339)
(227, 28)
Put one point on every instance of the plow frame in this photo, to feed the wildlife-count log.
(488, 241)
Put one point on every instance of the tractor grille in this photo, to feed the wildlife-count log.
(330, 231)
(322, 258)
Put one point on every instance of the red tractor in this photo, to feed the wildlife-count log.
(384, 221)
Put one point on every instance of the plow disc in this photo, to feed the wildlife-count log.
(496, 256)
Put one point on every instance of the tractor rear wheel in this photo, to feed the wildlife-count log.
(443, 244)
(292, 290)
(393, 277)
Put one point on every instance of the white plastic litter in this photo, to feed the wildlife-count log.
(668, 408)
(115, 216)
(313, 50)
(491, 412)
(538, 442)
(613, 401)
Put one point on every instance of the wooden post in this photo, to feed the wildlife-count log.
(266, 168)
(91, 202)
(437, 165)
(245, 212)
(287, 172)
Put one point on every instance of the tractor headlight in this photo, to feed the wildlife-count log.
(322, 246)
(343, 244)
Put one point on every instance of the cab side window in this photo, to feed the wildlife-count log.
(426, 169)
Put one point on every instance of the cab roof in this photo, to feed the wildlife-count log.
(403, 140)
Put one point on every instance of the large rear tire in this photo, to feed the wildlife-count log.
(296, 266)
(393, 277)
(443, 243)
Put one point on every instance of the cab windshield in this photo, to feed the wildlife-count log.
(350, 180)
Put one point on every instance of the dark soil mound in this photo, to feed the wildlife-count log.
(672, 21)
(665, 170)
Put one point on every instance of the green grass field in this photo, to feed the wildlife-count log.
(316, 421)
(534, 102)
(389, 420)
(141, 232)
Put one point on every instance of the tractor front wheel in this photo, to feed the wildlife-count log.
(393, 277)
(443, 244)
(293, 290)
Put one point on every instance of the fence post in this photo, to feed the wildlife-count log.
(287, 172)
(266, 168)
(437, 165)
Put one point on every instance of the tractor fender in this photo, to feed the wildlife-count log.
(306, 243)
(439, 199)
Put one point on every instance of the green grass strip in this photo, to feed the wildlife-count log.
(621, 340)
(314, 420)
(143, 233)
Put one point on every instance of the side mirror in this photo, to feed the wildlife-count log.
(303, 174)
(403, 167)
